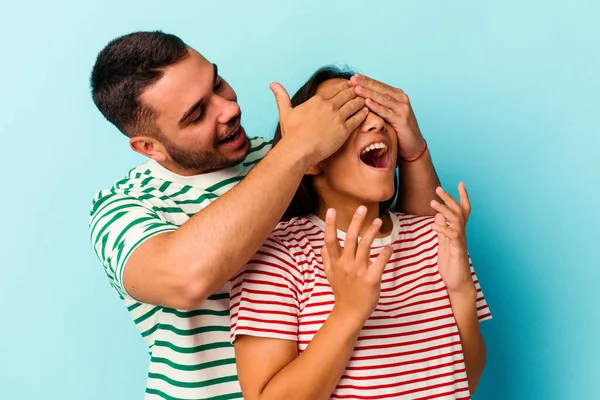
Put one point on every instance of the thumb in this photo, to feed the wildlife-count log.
(281, 97)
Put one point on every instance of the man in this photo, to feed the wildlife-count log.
(175, 230)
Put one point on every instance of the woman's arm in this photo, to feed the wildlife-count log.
(455, 269)
(418, 179)
(271, 368)
(465, 314)
(263, 320)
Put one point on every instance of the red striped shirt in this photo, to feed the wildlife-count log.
(408, 348)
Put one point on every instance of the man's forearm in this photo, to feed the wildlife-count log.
(418, 181)
(316, 372)
(218, 241)
(465, 314)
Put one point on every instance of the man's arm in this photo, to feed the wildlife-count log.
(180, 269)
(418, 179)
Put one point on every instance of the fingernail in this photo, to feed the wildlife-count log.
(362, 210)
(330, 213)
(377, 221)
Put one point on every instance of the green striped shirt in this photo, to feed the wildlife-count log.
(190, 353)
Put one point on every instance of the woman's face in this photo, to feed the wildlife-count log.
(363, 168)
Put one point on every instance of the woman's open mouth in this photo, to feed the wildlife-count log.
(376, 155)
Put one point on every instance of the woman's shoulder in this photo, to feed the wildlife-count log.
(413, 224)
(294, 229)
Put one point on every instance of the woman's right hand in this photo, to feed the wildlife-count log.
(355, 280)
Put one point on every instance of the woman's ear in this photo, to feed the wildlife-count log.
(314, 170)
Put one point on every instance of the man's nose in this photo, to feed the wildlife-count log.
(227, 109)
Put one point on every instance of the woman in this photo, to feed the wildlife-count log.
(392, 315)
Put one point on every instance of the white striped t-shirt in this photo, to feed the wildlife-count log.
(190, 353)
(408, 349)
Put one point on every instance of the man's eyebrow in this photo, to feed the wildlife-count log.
(190, 111)
(193, 108)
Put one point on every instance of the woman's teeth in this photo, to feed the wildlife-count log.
(375, 146)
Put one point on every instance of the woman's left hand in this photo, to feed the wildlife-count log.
(450, 225)
(393, 105)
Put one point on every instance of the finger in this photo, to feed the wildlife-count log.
(449, 214)
(447, 231)
(354, 121)
(282, 98)
(351, 241)
(389, 100)
(331, 240)
(371, 83)
(330, 92)
(439, 219)
(465, 203)
(381, 262)
(364, 246)
(380, 110)
(351, 107)
(344, 97)
(449, 200)
(326, 261)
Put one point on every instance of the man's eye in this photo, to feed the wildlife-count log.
(219, 84)
(198, 118)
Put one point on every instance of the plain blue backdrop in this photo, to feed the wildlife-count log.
(506, 94)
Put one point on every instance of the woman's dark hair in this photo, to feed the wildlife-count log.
(306, 200)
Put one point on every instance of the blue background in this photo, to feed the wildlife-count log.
(506, 94)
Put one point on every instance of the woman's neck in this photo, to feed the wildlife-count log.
(345, 210)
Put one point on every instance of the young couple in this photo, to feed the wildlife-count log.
(343, 298)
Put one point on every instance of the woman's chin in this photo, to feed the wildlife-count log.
(377, 196)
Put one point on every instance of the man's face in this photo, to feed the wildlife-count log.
(198, 117)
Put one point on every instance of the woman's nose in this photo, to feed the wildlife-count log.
(373, 123)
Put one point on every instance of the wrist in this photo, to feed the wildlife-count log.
(420, 149)
(292, 152)
(466, 294)
(349, 320)
(295, 151)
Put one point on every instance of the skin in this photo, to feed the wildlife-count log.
(351, 192)
(180, 269)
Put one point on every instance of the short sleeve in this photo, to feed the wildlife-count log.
(264, 298)
(119, 224)
(259, 147)
(483, 310)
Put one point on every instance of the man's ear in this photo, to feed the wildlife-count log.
(314, 170)
(149, 147)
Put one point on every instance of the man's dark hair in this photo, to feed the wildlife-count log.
(126, 67)
(306, 200)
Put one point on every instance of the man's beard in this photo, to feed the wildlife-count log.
(200, 160)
